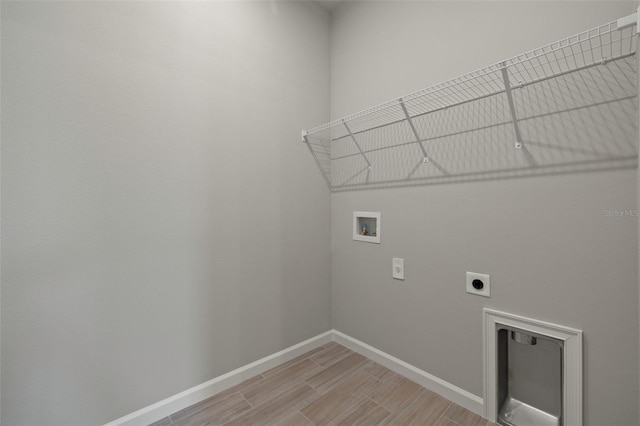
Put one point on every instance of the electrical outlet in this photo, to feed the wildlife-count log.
(398, 268)
(479, 284)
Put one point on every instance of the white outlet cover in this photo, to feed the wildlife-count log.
(398, 268)
(486, 280)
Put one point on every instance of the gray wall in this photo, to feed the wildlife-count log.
(551, 252)
(638, 206)
(161, 222)
(161, 225)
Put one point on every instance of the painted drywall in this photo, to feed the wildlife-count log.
(638, 209)
(161, 222)
(637, 4)
(551, 251)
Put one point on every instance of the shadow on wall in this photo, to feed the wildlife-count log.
(583, 120)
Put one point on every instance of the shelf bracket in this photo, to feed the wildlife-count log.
(415, 132)
(512, 107)
(628, 21)
(305, 139)
(356, 143)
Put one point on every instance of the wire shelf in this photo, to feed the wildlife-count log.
(550, 107)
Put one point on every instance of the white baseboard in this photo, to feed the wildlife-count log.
(453, 393)
(161, 409)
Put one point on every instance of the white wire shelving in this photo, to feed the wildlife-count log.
(549, 106)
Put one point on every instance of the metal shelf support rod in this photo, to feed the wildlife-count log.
(415, 131)
(512, 107)
(346, 126)
(305, 139)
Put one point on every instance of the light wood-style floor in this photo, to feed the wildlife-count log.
(330, 385)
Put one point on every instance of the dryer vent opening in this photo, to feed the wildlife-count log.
(529, 378)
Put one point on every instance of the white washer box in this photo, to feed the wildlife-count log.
(366, 227)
